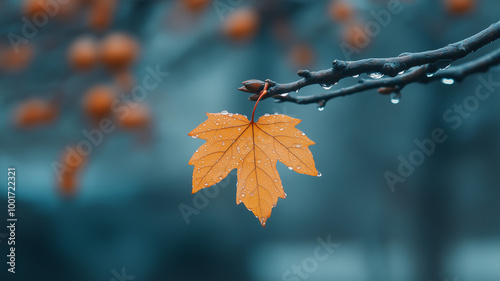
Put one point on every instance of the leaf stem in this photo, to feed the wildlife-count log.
(262, 93)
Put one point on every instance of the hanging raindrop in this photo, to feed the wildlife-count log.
(321, 108)
(395, 98)
(447, 81)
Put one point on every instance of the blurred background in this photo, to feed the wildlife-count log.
(97, 98)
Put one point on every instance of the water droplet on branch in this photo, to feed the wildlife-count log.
(443, 64)
(326, 86)
(376, 75)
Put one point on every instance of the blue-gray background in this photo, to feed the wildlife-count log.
(443, 222)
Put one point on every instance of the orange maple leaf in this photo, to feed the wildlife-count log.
(234, 142)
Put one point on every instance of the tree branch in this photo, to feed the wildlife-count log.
(395, 84)
(428, 63)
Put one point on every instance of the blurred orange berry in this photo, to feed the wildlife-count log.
(101, 14)
(241, 25)
(31, 7)
(34, 112)
(68, 184)
(68, 9)
(85, 2)
(354, 34)
(137, 118)
(195, 6)
(341, 10)
(125, 80)
(73, 158)
(83, 53)
(459, 7)
(16, 58)
(53, 8)
(72, 161)
(98, 100)
(282, 30)
(302, 56)
(119, 50)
